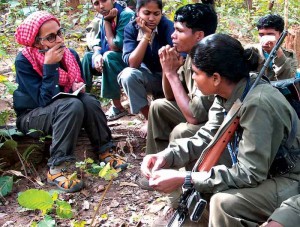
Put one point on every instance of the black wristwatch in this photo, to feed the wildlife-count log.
(188, 180)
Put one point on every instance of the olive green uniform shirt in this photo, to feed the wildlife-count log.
(265, 119)
(288, 214)
(284, 67)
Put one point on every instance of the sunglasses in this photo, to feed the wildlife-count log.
(52, 37)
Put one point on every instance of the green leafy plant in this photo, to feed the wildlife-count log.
(44, 201)
(6, 184)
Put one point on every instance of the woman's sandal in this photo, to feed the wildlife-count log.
(66, 184)
(115, 161)
(114, 113)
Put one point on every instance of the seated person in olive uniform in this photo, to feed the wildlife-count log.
(246, 193)
(284, 66)
(185, 109)
(106, 57)
(287, 215)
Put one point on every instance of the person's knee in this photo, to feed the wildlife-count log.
(221, 203)
(128, 75)
(87, 58)
(180, 131)
(72, 106)
(157, 106)
(108, 56)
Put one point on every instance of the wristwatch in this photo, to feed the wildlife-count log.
(188, 180)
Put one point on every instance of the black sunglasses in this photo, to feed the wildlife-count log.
(52, 37)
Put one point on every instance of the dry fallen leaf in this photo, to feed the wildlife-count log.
(100, 188)
(128, 184)
(86, 205)
(114, 203)
(156, 206)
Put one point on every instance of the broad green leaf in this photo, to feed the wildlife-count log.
(63, 209)
(89, 160)
(78, 223)
(34, 224)
(2, 53)
(36, 199)
(11, 144)
(10, 132)
(29, 150)
(6, 183)
(47, 222)
(11, 87)
(55, 195)
(104, 171)
(108, 173)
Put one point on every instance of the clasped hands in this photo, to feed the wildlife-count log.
(163, 180)
(170, 60)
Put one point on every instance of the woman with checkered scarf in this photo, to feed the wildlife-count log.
(44, 68)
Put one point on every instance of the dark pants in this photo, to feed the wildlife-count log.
(63, 120)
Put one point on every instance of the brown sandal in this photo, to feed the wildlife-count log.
(115, 161)
(66, 184)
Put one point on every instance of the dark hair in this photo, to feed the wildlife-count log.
(271, 21)
(141, 3)
(220, 53)
(198, 17)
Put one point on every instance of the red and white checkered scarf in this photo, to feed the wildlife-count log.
(26, 34)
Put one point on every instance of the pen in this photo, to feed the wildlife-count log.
(45, 50)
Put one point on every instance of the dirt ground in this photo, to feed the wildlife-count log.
(125, 204)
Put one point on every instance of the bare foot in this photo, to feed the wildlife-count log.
(143, 130)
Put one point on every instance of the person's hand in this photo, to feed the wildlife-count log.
(152, 162)
(54, 54)
(166, 180)
(142, 24)
(111, 15)
(271, 224)
(76, 85)
(98, 62)
(268, 42)
(170, 60)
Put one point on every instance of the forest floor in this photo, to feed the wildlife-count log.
(125, 204)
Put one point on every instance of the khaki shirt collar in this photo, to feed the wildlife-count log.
(236, 94)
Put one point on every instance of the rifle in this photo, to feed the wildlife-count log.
(191, 203)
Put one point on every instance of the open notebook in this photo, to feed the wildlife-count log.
(64, 94)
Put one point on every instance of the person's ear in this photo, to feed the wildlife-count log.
(217, 79)
(199, 35)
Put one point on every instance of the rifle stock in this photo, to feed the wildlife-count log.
(214, 153)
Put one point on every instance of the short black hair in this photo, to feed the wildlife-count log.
(141, 3)
(198, 17)
(273, 21)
